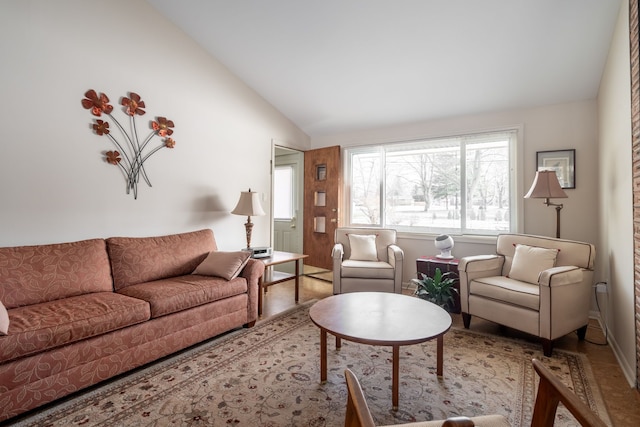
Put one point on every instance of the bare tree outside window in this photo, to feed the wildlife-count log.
(365, 189)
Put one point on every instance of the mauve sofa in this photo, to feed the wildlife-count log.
(83, 312)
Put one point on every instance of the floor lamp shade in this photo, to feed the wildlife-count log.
(546, 186)
(248, 205)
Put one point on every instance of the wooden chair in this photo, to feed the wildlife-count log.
(551, 391)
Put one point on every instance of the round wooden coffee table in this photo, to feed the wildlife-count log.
(378, 318)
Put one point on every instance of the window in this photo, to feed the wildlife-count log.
(283, 192)
(458, 185)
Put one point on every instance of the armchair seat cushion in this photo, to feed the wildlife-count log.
(502, 288)
(367, 269)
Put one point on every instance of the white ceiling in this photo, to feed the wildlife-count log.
(334, 66)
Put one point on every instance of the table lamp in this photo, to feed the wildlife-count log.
(248, 205)
(546, 186)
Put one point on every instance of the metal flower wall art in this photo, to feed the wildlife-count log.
(131, 152)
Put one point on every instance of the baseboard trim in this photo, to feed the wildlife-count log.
(628, 371)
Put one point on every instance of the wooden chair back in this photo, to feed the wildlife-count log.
(551, 391)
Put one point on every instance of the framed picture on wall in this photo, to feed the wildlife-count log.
(561, 161)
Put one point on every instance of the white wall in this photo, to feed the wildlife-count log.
(54, 183)
(553, 127)
(616, 197)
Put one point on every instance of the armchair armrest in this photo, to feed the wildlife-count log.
(396, 259)
(337, 254)
(395, 255)
(559, 276)
(475, 267)
(491, 264)
(565, 298)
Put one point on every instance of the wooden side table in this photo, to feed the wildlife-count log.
(428, 264)
(271, 277)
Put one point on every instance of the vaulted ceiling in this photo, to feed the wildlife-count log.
(335, 66)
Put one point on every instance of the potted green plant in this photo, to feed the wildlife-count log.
(438, 289)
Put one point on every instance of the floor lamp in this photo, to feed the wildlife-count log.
(546, 186)
(248, 205)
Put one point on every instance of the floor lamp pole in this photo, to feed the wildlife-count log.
(558, 208)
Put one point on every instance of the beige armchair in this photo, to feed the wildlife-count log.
(538, 285)
(366, 259)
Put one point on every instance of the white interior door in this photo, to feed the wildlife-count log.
(287, 202)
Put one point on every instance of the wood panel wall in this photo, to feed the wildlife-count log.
(635, 131)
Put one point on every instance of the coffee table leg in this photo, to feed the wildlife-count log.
(323, 356)
(440, 355)
(394, 377)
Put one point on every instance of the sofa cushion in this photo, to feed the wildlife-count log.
(39, 327)
(223, 264)
(145, 259)
(180, 293)
(4, 320)
(501, 288)
(529, 261)
(37, 274)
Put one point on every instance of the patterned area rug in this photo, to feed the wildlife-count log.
(269, 376)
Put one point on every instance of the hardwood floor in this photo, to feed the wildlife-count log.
(622, 401)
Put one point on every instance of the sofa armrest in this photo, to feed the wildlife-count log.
(337, 254)
(560, 276)
(253, 272)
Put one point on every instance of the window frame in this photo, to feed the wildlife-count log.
(516, 221)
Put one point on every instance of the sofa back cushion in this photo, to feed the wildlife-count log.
(144, 259)
(42, 273)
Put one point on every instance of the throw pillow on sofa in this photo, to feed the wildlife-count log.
(4, 320)
(227, 265)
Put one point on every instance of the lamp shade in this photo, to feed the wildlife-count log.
(545, 186)
(248, 205)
